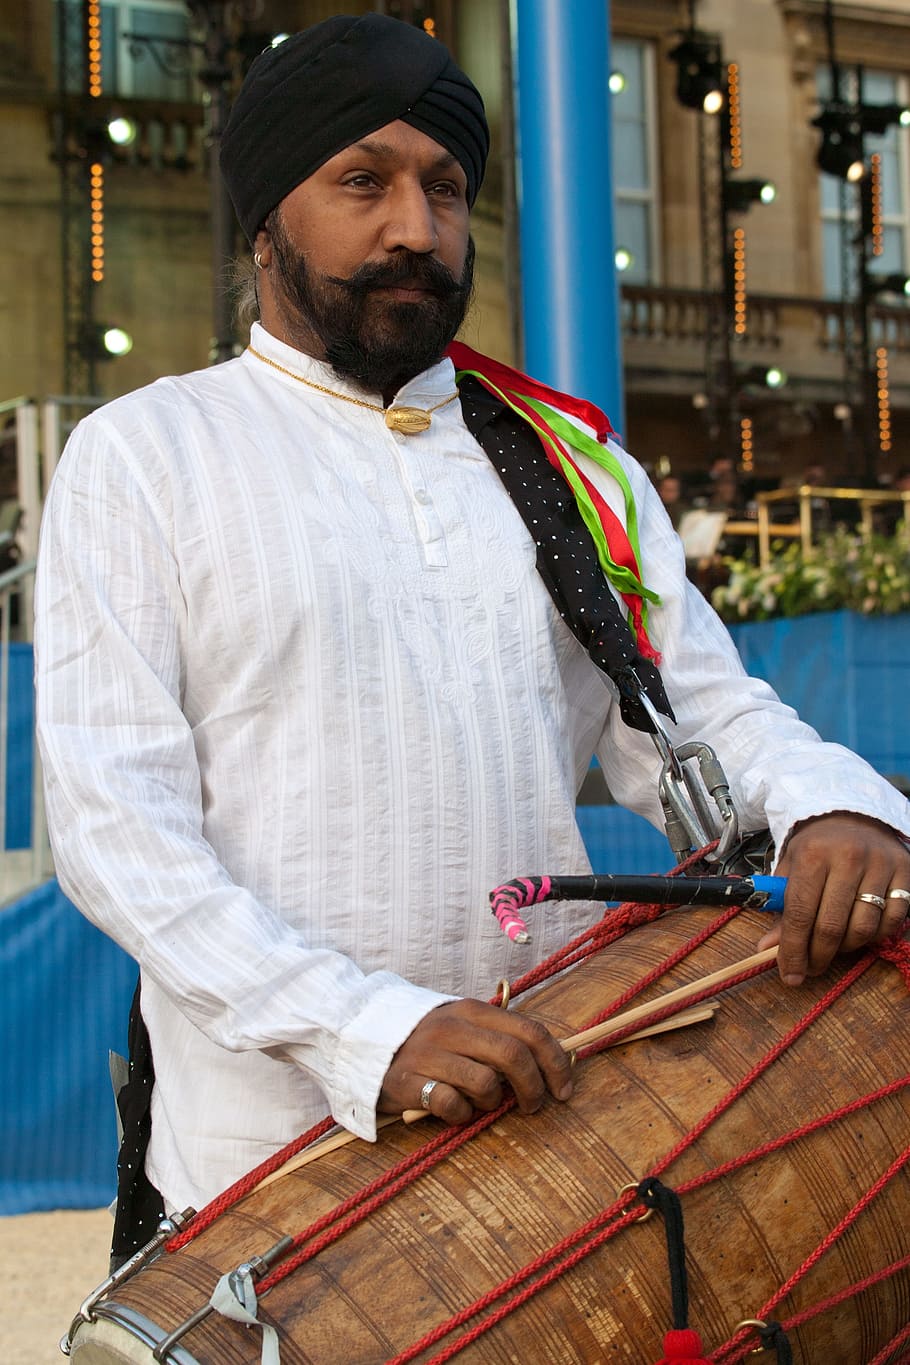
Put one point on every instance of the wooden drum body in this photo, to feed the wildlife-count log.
(526, 1183)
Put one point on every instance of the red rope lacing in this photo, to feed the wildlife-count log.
(594, 1229)
(222, 1202)
(737, 1348)
(887, 1356)
(600, 1229)
(594, 938)
(387, 1184)
(364, 1202)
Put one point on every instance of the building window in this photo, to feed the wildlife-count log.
(840, 202)
(144, 52)
(632, 84)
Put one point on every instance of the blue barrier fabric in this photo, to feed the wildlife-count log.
(65, 991)
(20, 745)
(617, 841)
(847, 676)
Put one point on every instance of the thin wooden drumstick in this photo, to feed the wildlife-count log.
(698, 1014)
(715, 979)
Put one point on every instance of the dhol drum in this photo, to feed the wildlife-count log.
(517, 1189)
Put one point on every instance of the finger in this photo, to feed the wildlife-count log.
(897, 908)
(515, 1046)
(537, 1055)
(508, 1051)
(446, 1103)
(802, 908)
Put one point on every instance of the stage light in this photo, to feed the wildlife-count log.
(878, 118)
(122, 131)
(700, 80)
(623, 259)
(841, 151)
(617, 82)
(740, 195)
(116, 341)
(763, 377)
(888, 284)
(101, 341)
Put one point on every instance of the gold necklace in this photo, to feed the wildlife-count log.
(407, 421)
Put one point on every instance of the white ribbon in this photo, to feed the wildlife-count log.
(235, 1297)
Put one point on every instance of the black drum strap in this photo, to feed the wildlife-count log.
(140, 1207)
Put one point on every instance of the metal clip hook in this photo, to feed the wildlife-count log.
(690, 820)
(166, 1229)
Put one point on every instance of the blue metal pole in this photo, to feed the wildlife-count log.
(565, 198)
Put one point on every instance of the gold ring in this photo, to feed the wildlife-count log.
(633, 1186)
(752, 1322)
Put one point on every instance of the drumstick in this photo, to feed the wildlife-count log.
(577, 1040)
(718, 979)
(698, 1014)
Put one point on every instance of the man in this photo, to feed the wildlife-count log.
(305, 693)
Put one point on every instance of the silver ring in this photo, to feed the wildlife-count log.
(871, 899)
(428, 1087)
(899, 894)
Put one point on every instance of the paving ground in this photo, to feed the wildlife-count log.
(48, 1264)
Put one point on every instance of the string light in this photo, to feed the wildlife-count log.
(877, 226)
(884, 398)
(745, 443)
(96, 201)
(429, 26)
(734, 117)
(739, 281)
(93, 40)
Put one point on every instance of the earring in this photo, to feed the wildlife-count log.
(257, 261)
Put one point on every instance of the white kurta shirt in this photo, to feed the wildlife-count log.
(303, 701)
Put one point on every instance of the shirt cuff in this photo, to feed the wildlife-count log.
(366, 1046)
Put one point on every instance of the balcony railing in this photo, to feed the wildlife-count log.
(666, 329)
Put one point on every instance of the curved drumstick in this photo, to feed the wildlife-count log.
(756, 893)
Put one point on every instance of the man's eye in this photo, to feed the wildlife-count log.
(444, 188)
(361, 181)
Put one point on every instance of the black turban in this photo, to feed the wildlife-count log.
(318, 91)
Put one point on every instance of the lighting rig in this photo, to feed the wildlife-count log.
(844, 125)
(711, 86)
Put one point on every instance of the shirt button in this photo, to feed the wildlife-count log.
(422, 495)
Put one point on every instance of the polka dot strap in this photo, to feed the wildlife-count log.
(567, 559)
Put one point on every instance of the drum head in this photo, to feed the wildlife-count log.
(122, 1337)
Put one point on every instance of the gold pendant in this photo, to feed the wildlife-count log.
(409, 421)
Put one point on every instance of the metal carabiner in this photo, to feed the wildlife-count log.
(690, 819)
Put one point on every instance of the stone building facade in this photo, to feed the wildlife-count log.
(679, 369)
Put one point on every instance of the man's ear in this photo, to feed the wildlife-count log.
(262, 249)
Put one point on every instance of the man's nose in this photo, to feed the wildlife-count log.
(410, 222)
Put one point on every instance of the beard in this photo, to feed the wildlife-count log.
(377, 343)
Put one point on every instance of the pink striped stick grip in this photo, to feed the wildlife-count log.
(507, 900)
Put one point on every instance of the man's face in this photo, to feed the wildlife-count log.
(372, 264)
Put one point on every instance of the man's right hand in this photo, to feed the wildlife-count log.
(470, 1049)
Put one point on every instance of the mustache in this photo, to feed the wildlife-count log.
(425, 271)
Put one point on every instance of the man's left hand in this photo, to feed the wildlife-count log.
(829, 861)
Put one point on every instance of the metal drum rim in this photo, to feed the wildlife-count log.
(142, 1329)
